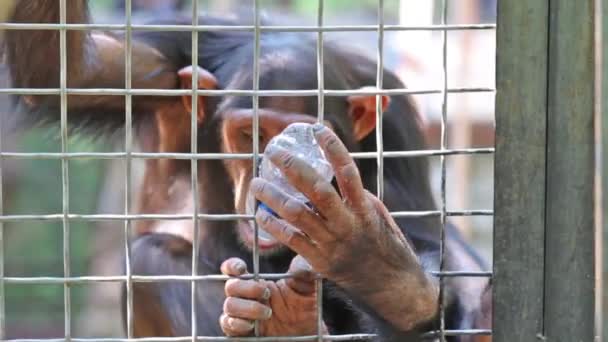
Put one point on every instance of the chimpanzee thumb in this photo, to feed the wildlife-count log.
(302, 278)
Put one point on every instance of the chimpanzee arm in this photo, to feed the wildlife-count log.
(94, 60)
(162, 309)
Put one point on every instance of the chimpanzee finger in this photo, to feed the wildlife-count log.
(232, 326)
(246, 309)
(233, 267)
(290, 209)
(303, 177)
(347, 173)
(249, 289)
(303, 276)
(286, 234)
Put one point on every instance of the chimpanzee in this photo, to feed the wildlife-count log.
(376, 269)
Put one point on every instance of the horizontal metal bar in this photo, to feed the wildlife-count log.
(224, 156)
(187, 278)
(207, 217)
(349, 337)
(352, 337)
(199, 28)
(233, 92)
(459, 332)
(433, 213)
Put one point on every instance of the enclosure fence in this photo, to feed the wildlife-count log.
(532, 167)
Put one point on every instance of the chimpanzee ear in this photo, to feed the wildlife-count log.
(362, 110)
(205, 81)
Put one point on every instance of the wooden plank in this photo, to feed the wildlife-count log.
(519, 204)
(569, 232)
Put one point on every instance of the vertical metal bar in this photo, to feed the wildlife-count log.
(256, 130)
(320, 70)
(569, 230)
(603, 168)
(379, 81)
(599, 183)
(443, 143)
(519, 170)
(320, 117)
(2, 293)
(128, 150)
(194, 171)
(64, 168)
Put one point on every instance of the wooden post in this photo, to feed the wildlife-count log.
(569, 234)
(519, 203)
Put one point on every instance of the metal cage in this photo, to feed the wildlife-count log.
(544, 162)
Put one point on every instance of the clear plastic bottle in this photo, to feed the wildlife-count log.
(298, 138)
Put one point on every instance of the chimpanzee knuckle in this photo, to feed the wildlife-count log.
(224, 324)
(331, 142)
(290, 238)
(348, 172)
(243, 289)
(322, 193)
(231, 287)
(293, 210)
(228, 305)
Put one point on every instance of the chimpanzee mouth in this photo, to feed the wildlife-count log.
(266, 242)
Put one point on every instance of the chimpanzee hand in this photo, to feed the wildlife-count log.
(350, 239)
(284, 308)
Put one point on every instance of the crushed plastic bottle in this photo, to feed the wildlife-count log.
(298, 138)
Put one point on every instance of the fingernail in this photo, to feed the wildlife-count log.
(244, 325)
(268, 313)
(266, 294)
(241, 267)
(317, 127)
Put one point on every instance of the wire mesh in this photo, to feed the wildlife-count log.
(321, 92)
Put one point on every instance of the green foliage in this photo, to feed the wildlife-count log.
(34, 249)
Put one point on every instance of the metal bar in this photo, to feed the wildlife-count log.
(202, 28)
(256, 140)
(349, 337)
(569, 229)
(209, 217)
(194, 172)
(211, 277)
(600, 251)
(603, 135)
(233, 92)
(225, 156)
(320, 117)
(443, 146)
(2, 245)
(519, 171)
(64, 170)
(128, 150)
(379, 81)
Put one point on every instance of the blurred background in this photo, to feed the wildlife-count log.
(97, 186)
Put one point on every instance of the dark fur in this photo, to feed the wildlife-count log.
(34, 62)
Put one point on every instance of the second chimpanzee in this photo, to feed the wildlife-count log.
(375, 268)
